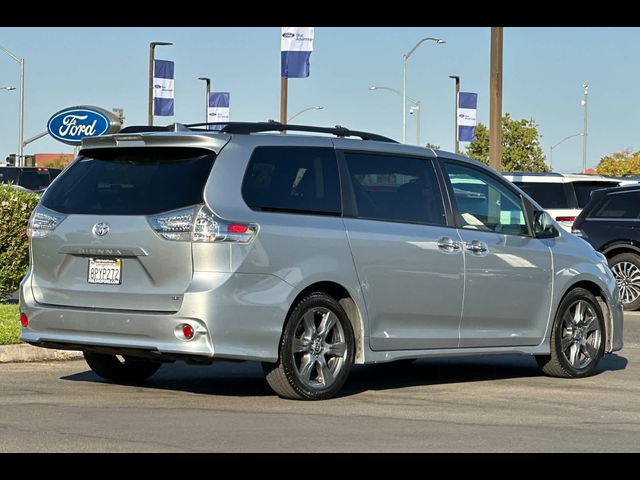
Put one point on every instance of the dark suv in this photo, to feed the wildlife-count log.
(610, 222)
(35, 179)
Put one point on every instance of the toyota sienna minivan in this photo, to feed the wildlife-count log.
(306, 252)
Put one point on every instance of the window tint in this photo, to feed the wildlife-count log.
(293, 179)
(8, 175)
(484, 203)
(395, 188)
(548, 195)
(35, 179)
(619, 205)
(584, 189)
(131, 181)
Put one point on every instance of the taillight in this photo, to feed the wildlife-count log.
(199, 224)
(566, 221)
(43, 221)
(24, 320)
(175, 225)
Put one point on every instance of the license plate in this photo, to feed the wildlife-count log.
(105, 271)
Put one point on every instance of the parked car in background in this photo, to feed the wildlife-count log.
(611, 224)
(34, 179)
(307, 253)
(562, 195)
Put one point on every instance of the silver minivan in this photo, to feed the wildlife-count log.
(305, 252)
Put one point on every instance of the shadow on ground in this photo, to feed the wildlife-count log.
(246, 378)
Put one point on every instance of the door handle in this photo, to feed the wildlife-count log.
(476, 246)
(447, 244)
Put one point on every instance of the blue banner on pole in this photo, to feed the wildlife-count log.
(218, 110)
(296, 45)
(467, 108)
(163, 97)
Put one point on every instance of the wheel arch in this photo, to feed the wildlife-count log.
(345, 299)
(617, 248)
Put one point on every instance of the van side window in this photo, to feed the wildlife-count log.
(395, 188)
(484, 203)
(293, 179)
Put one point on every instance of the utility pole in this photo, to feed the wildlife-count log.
(284, 90)
(584, 130)
(495, 100)
(455, 112)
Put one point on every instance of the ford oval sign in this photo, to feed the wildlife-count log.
(73, 124)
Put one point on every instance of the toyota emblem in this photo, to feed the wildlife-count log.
(100, 229)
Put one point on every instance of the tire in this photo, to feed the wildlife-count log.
(626, 269)
(577, 337)
(128, 370)
(313, 360)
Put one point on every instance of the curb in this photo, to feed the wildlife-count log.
(23, 352)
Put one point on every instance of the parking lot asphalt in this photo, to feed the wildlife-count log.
(465, 404)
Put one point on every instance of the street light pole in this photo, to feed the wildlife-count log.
(414, 108)
(20, 62)
(206, 100)
(152, 47)
(405, 57)
(455, 113)
(554, 146)
(304, 110)
(584, 130)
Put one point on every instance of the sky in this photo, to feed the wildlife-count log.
(544, 70)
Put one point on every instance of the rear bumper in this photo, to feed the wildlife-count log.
(234, 315)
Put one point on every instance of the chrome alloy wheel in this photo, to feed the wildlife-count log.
(628, 278)
(581, 335)
(319, 348)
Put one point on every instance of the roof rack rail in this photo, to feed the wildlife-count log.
(271, 126)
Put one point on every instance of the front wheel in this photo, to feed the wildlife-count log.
(577, 337)
(316, 351)
(121, 369)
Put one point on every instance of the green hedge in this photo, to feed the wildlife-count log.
(15, 208)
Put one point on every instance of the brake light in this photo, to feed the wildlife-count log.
(24, 320)
(234, 228)
(42, 222)
(201, 225)
(566, 220)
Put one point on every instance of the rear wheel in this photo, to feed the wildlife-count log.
(626, 269)
(122, 369)
(316, 351)
(577, 338)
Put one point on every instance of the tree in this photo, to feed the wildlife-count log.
(620, 164)
(521, 151)
(58, 162)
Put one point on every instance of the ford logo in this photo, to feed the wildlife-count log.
(100, 229)
(288, 35)
(73, 124)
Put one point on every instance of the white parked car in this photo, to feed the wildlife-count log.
(562, 195)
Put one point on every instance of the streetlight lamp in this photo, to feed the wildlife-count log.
(20, 62)
(416, 107)
(455, 112)
(554, 146)
(206, 100)
(152, 47)
(7, 88)
(584, 131)
(304, 110)
(405, 57)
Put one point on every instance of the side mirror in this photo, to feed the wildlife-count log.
(543, 226)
